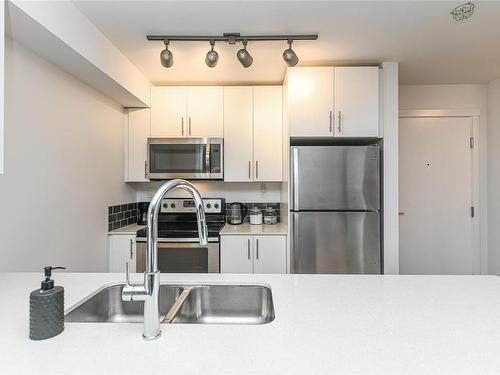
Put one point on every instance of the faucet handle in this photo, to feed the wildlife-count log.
(132, 292)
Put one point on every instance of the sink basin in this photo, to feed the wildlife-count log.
(206, 304)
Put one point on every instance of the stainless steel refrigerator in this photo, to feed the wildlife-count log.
(335, 209)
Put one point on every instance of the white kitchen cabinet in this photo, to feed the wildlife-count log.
(205, 110)
(169, 111)
(253, 133)
(238, 133)
(357, 101)
(138, 131)
(310, 101)
(253, 254)
(122, 249)
(267, 132)
(333, 101)
(236, 254)
(270, 254)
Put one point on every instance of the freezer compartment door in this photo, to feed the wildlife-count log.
(335, 177)
(336, 242)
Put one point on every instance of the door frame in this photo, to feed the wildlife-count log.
(480, 256)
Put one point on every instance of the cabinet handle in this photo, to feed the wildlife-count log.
(248, 248)
(331, 121)
(131, 248)
(182, 126)
(257, 248)
(257, 169)
(340, 121)
(145, 169)
(189, 125)
(249, 170)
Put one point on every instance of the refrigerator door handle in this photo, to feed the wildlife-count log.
(295, 177)
(294, 240)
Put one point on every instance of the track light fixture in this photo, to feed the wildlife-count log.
(289, 55)
(212, 56)
(166, 57)
(244, 56)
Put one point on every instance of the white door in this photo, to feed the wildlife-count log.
(267, 132)
(122, 249)
(357, 101)
(238, 134)
(236, 254)
(139, 130)
(270, 254)
(205, 111)
(435, 196)
(168, 112)
(310, 101)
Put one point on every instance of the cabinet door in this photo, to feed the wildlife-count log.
(357, 101)
(205, 111)
(168, 112)
(267, 133)
(236, 254)
(270, 254)
(238, 134)
(310, 101)
(122, 249)
(136, 144)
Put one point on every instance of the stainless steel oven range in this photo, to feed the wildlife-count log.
(178, 248)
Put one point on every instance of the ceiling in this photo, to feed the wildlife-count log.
(420, 35)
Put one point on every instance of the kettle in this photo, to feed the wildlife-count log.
(236, 213)
(142, 214)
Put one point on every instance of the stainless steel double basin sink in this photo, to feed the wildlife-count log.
(205, 304)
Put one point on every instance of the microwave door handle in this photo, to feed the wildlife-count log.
(207, 159)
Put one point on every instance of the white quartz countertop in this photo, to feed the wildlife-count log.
(324, 325)
(129, 229)
(249, 229)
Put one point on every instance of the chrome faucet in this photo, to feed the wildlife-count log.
(149, 291)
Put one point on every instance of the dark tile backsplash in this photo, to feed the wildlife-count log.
(262, 206)
(122, 215)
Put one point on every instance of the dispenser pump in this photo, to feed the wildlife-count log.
(48, 283)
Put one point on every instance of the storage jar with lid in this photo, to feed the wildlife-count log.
(270, 216)
(255, 215)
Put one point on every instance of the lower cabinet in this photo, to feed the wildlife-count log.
(122, 249)
(253, 254)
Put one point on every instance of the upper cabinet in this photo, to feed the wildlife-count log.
(168, 111)
(186, 111)
(137, 133)
(205, 111)
(329, 101)
(357, 101)
(310, 101)
(252, 133)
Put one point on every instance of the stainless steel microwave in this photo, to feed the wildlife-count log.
(189, 158)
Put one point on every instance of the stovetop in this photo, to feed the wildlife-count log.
(178, 220)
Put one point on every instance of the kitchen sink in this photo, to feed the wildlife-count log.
(205, 304)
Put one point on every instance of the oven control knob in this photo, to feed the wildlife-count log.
(216, 205)
(172, 205)
(165, 205)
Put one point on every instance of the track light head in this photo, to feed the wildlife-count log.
(166, 57)
(244, 56)
(212, 56)
(289, 55)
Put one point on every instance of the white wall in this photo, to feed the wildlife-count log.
(63, 167)
(233, 192)
(465, 96)
(494, 176)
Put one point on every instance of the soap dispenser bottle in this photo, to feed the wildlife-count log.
(47, 308)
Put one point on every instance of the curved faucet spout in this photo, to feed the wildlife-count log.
(149, 291)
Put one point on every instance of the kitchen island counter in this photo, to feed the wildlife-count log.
(324, 325)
